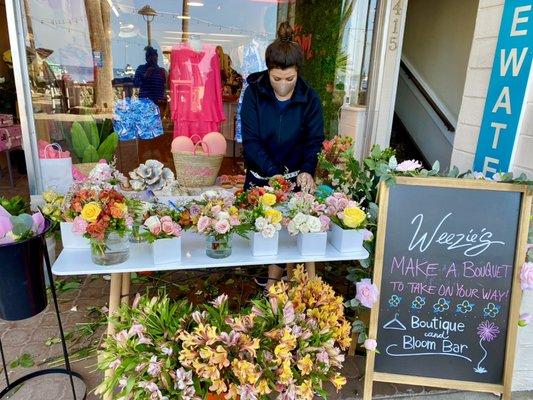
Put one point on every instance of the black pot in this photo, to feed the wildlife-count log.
(22, 284)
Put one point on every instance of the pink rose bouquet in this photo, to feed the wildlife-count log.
(367, 293)
(162, 223)
(215, 215)
(306, 215)
(345, 212)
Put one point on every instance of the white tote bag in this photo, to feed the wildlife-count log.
(56, 172)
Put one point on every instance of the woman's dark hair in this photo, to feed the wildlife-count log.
(150, 51)
(283, 53)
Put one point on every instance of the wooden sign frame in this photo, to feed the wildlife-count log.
(514, 305)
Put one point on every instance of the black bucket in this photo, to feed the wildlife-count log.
(22, 284)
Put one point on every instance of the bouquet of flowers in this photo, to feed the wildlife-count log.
(287, 344)
(97, 211)
(215, 215)
(15, 224)
(306, 215)
(260, 213)
(53, 208)
(162, 224)
(345, 212)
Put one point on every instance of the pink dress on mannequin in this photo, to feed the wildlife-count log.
(196, 91)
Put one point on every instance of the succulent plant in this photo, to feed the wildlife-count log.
(152, 175)
(90, 145)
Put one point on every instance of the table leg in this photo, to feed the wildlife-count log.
(310, 268)
(290, 270)
(114, 301)
(126, 284)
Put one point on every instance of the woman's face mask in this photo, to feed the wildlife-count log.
(283, 81)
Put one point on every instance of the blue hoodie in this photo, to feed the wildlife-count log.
(278, 139)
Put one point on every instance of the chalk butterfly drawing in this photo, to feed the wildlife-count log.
(395, 300)
(487, 332)
(465, 307)
(491, 310)
(441, 305)
(418, 303)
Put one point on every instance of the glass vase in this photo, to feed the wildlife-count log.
(136, 234)
(115, 249)
(218, 247)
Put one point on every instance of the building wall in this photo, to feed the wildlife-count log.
(466, 136)
(437, 44)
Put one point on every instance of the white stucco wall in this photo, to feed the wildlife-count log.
(470, 116)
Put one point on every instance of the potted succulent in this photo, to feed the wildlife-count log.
(101, 215)
(216, 217)
(307, 220)
(164, 232)
(348, 219)
(22, 287)
(91, 144)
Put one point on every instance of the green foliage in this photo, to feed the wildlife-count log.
(90, 144)
(15, 205)
(25, 361)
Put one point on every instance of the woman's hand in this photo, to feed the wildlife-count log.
(306, 182)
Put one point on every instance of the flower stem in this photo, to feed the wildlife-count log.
(485, 356)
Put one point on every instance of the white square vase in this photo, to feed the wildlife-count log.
(262, 246)
(346, 240)
(166, 251)
(70, 239)
(312, 244)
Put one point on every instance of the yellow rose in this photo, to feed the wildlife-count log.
(268, 199)
(353, 217)
(90, 212)
(233, 210)
(274, 215)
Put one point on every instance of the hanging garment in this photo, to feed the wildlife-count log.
(137, 119)
(253, 61)
(195, 91)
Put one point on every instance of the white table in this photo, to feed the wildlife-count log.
(78, 262)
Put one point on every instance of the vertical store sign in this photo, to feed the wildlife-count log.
(507, 87)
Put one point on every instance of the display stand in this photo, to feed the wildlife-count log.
(11, 386)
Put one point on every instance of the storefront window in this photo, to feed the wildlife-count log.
(100, 92)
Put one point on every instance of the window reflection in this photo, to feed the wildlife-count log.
(151, 70)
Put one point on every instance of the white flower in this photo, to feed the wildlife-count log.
(260, 224)
(152, 221)
(299, 219)
(304, 228)
(166, 350)
(223, 215)
(408, 165)
(269, 231)
(291, 227)
(314, 224)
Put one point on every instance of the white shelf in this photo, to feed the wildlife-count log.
(78, 262)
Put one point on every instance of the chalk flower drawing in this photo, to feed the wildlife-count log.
(418, 303)
(465, 307)
(395, 300)
(441, 305)
(491, 310)
(487, 332)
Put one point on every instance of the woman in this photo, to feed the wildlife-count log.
(282, 121)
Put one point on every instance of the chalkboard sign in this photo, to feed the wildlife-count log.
(447, 267)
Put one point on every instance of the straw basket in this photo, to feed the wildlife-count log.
(198, 168)
(85, 168)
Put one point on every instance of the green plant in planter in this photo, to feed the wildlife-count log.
(91, 145)
(15, 205)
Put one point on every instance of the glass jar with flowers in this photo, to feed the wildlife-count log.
(164, 231)
(101, 215)
(216, 217)
(139, 211)
(307, 220)
(348, 220)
